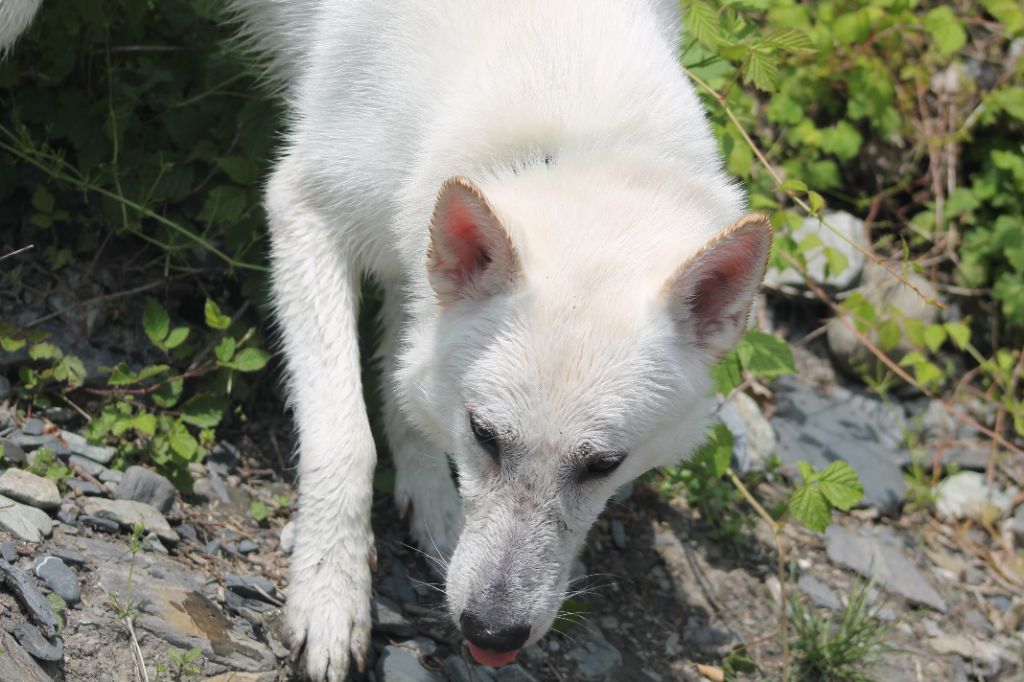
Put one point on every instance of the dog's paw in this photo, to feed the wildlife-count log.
(328, 617)
(437, 519)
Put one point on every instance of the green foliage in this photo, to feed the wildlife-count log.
(184, 665)
(44, 463)
(760, 355)
(836, 487)
(58, 606)
(839, 649)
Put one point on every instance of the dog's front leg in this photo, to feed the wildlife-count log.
(316, 295)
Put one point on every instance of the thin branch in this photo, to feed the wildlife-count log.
(17, 251)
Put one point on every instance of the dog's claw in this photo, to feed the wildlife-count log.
(403, 508)
(360, 661)
(296, 651)
(371, 558)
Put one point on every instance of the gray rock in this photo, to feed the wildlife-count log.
(30, 489)
(253, 587)
(85, 488)
(400, 585)
(16, 664)
(59, 578)
(401, 664)
(12, 452)
(387, 618)
(821, 427)
(80, 446)
(818, 592)
(33, 427)
(111, 476)
(595, 657)
(514, 673)
(24, 522)
(247, 547)
(618, 534)
(87, 465)
(68, 556)
(212, 547)
(288, 537)
(129, 512)
(879, 558)
(892, 299)
(753, 439)
(24, 588)
(45, 649)
(100, 524)
(850, 227)
(142, 485)
(458, 670)
(7, 552)
(33, 443)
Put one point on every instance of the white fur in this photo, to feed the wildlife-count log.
(15, 17)
(388, 100)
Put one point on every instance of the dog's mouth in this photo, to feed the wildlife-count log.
(495, 659)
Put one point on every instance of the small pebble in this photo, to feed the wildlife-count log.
(247, 547)
(188, 531)
(7, 552)
(33, 427)
(40, 647)
(68, 556)
(84, 487)
(212, 547)
(96, 523)
(59, 578)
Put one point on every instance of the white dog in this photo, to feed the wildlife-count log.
(537, 189)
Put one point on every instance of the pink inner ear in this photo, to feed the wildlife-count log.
(465, 240)
(727, 275)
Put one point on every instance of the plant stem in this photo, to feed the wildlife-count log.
(781, 568)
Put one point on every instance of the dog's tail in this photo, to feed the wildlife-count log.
(15, 16)
(278, 32)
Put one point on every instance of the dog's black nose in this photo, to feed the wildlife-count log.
(500, 638)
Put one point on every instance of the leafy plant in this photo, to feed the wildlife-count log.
(836, 487)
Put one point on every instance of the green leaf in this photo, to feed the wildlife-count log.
(934, 336)
(183, 443)
(840, 485)
(960, 333)
(765, 356)
(258, 511)
(70, 370)
(42, 200)
(816, 201)
(808, 506)
(807, 472)
(727, 373)
(762, 70)
(215, 319)
(946, 29)
(121, 375)
(45, 351)
(702, 23)
(168, 395)
(204, 411)
(156, 322)
(144, 423)
(790, 39)
(176, 337)
(249, 360)
(225, 349)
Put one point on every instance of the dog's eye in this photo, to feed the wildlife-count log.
(604, 463)
(486, 436)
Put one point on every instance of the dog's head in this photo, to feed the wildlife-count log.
(570, 354)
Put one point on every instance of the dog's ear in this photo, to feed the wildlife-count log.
(711, 293)
(470, 253)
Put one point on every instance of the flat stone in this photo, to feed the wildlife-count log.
(97, 523)
(111, 476)
(12, 452)
(84, 488)
(59, 578)
(142, 485)
(387, 618)
(68, 556)
(595, 657)
(401, 664)
(253, 587)
(753, 438)
(45, 649)
(129, 512)
(978, 650)
(33, 443)
(818, 592)
(247, 547)
(33, 427)
(24, 522)
(8, 552)
(878, 558)
(80, 446)
(30, 489)
(821, 427)
(24, 588)
(458, 670)
(399, 585)
(16, 664)
(87, 465)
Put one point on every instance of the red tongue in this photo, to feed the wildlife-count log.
(494, 659)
